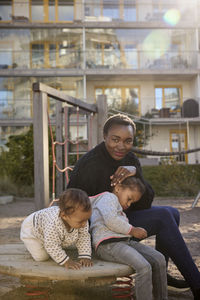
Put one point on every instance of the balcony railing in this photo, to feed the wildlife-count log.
(100, 59)
(170, 12)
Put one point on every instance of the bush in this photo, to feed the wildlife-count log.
(17, 165)
(17, 171)
(173, 180)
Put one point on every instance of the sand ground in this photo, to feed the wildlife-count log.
(12, 214)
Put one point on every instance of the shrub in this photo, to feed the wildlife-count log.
(173, 180)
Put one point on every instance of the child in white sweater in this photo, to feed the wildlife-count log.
(112, 237)
(47, 232)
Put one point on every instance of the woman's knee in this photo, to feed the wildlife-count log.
(169, 214)
(175, 213)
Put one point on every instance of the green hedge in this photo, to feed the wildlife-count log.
(173, 180)
(17, 171)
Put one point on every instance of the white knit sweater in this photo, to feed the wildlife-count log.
(49, 227)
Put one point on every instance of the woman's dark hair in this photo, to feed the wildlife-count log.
(72, 199)
(134, 183)
(118, 119)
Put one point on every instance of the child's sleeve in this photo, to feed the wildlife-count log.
(83, 243)
(52, 244)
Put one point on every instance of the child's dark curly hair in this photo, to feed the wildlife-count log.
(134, 183)
(72, 199)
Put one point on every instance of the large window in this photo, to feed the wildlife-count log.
(52, 10)
(169, 97)
(63, 54)
(121, 98)
(111, 10)
(5, 10)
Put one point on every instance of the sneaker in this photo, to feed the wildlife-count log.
(177, 284)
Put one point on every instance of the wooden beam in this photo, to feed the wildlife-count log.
(61, 96)
(102, 116)
(41, 150)
(59, 148)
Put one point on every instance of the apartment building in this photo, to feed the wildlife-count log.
(144, 53)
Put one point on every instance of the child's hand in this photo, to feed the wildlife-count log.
(71, 264)
(85, 262)
(138, 232)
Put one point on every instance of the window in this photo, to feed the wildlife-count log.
(6, 57)
(169, 97)
(52, 10)
(123, 99)
(111, 9)
(130, 11)
(38, 55)
(106, 54)
(131, 56)
(5, 10)
(65, 10)
(37, 10)
(178, 142)
(6, 104)
(63, 54)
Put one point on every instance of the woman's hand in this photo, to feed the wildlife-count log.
(138, 232)
(85, 262)
(122, 173)
(71, 264)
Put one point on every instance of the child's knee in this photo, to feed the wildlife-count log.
(159, 261)
(144, 269)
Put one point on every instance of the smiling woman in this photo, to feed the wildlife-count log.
(102, 167)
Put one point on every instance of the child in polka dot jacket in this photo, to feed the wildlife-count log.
(47, 232)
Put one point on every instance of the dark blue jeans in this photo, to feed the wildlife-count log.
(163, 221)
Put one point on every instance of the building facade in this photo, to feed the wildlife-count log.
(140, 53)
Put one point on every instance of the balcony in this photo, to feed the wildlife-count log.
(190, 109)
(108, 60)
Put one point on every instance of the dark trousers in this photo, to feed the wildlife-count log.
(163, 221)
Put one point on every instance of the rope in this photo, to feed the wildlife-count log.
(53, 144)
(158, 153)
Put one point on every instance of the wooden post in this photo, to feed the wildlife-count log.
(41, 150)
(101, 116)
(66, 116)
(59, 148)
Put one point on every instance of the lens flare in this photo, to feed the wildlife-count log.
(156, 44)
(172, 17)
